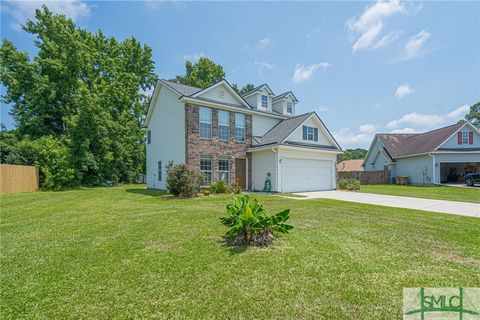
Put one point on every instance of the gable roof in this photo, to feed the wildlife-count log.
(183, 89)
(401, 145)
(228, 87)
(282, 130)
(284, 95)
(258, 89)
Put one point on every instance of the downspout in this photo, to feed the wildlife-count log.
(274, 150)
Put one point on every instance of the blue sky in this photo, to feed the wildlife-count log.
(364, 67)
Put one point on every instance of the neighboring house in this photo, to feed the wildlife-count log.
(350, 165)
(434, 157)
(240, 139)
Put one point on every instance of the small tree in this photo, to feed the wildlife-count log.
(183, 181)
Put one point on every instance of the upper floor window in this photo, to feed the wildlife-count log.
(464, 137)
(223, 125)
(264, 101)
(310, 133)
(239, 127)
(289, 107)
(206, 168)
(149, 136)
(224, 169)
(205, 123)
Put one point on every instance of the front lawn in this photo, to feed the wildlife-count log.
(126, 252)
(430, 192)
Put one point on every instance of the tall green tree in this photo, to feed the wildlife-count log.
(246, 88)
(201, 74)
(83, 89)
(352, 154)
(474, 115)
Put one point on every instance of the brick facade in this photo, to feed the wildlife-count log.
(215, 148)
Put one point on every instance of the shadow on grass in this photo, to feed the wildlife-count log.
(232, 249)
(149, 192)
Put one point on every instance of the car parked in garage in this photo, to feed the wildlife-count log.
(472, 178)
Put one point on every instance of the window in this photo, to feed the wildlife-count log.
(264, 101)
(223, 125)
(159, 170)
(239, 127)
(205, 123)
(289, 107)
(310, 133)
(464, 137)
(149, 136)
(224, 169)
(206, 168)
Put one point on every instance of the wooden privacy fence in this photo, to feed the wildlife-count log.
(14, 178)
(366, 177)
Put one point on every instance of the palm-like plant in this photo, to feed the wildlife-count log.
(249, 223)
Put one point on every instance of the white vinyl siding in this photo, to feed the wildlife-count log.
(297, 135)
(213, 94)
(167, 127)
(223, 125)
(205, 126)
(452, 143)
(262, 124)
(264, 162)
(418, 169)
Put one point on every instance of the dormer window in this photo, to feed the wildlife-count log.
(264, 101)
(289, 107)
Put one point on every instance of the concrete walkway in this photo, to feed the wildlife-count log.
(443, 206)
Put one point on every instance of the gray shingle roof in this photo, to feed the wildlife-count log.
(256, 88)
(278, 133)
(284, 95)
(399, 145)
(182, 88)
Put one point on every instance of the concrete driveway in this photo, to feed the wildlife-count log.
(443, 206)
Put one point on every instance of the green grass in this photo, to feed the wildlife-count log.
(127, 252)
(431, 192)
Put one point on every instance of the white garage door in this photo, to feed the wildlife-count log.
(306, 175)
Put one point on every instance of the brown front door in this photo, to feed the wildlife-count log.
(241, 173)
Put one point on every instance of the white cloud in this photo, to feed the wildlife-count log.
(371, 22)
(323, 109)
(403, 90)
(263, 43)
(387, 39)
(367, 128)
(427, 121)
(21, 11)
(346, 136)
(194, 57)
(302, 73)
(404, 130)
(262, 66)
(414, 45)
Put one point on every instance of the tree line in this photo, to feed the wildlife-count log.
(79, 104)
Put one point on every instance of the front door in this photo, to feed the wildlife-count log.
(241, 173)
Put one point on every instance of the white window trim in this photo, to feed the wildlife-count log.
(204, 122)
(224, 125)
(465, 137)
(211, 167)
(224, 171)
(237, 126)
(266, 101)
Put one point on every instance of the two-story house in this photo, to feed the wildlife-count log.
(442, 155)
(248, 139)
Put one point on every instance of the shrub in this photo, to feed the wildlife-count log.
(249, 223)
(220, 187)
(349, 184)
(183, 181)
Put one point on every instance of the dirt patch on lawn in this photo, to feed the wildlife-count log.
(456, 258)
